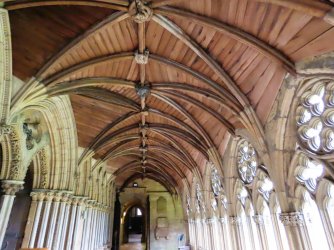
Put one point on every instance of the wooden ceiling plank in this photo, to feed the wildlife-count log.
(311, 7)
(235, 33)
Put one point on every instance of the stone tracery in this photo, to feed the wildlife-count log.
(315, 117)
(247, 161)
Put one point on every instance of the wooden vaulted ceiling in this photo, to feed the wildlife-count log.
(205, 57)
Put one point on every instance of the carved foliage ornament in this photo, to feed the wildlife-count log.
(308, 172)
(142, 58)
(140, 12)
(11, 187)
(33, 134)
(247, 162)
(199, 199)
(292, 219)
(315, 118)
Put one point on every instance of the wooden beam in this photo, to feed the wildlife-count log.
(160, 3)
(57, 77)
(223, 93)
(236, 33)
(111, 4)
(107, 96)
(199, 51)
(251, 116)
(200, 105)
(110, 20)
(70, 86)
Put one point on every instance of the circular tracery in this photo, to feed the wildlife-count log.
(315, 118)
(247, 162)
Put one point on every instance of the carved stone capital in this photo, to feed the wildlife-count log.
(65, 197)
(90, 203)
(258, 219)
(58, 196)
(222, 220)
(81, 200)
(49, 196)
(292, 219)
(209, 220)
(140, 12)
(11, 187)
(37, 195)
(235, 220)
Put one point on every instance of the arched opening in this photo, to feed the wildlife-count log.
(134, 225)
(17, 221)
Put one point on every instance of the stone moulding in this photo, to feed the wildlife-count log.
(292, 219)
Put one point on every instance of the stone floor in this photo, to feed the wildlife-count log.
(134, 243)
(133, 246)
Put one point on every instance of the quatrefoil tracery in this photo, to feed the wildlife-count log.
(315, 118)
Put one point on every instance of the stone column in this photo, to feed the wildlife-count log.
(88, 226)
(10, 188)
(259, 221)
(45, 219)
(236, 230)
(36, 218)
(74, 204)
(296, 231)
(79, 221)
(66, 223)
(53, 219)
(211, 234)
(99, 232)
(93, 228)
(60, 221)
(224, 230)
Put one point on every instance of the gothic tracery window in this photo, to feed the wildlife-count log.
(199, 199)
(265, 186)
(217, 189)
(308, 172)
(188, 200)
(247, 162)
(315, 118)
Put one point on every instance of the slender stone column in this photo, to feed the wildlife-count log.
(10, 188)
(44, 222)
(79, 221)
(65, 227)
(259, 221)
(40, 198)
(100, 228)
(93, 228)
(236, 226)
(97, 227)
(296, 231)
(192, 237)
(53, 220)
(225, 233)
(211, 234)
(104, 226)
(75, 201)
(88, 225)
(60, 221)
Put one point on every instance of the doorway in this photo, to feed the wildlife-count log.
(134, 225)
